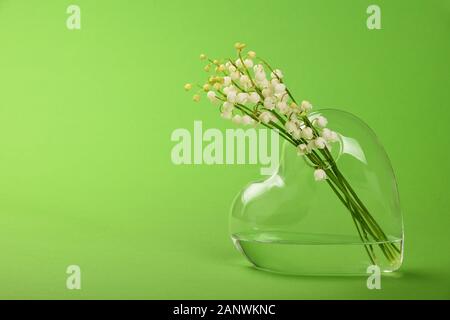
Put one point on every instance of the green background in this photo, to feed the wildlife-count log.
(86, 117)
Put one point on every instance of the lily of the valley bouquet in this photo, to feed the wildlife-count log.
(248, 91)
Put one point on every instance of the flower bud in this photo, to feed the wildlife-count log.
(239, 46)
(211, 96)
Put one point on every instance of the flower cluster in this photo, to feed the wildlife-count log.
(248, 91)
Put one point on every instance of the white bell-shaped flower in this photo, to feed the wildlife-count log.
(211, 95)
(248, 63)
(242, 98)
(265, 117)
(277, 74)
(231, 97)
(254, 97)
(321, 122)
(291, 126)
(306, 106)
(320, 175)
(227, 106)
(269, 103)
(226, 81)
(307, 133)
(321, 143)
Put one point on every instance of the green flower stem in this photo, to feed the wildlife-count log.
(365, 224)
(368, 249)
(365, 212)
(368, 222)
(249, 75)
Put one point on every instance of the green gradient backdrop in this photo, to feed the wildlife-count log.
(85, 123)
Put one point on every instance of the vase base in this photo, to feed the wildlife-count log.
(306, 254)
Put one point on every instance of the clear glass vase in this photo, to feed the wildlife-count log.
(291, 224)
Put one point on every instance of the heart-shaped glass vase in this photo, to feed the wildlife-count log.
(289, 223)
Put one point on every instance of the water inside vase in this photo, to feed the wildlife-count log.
(313, 254)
